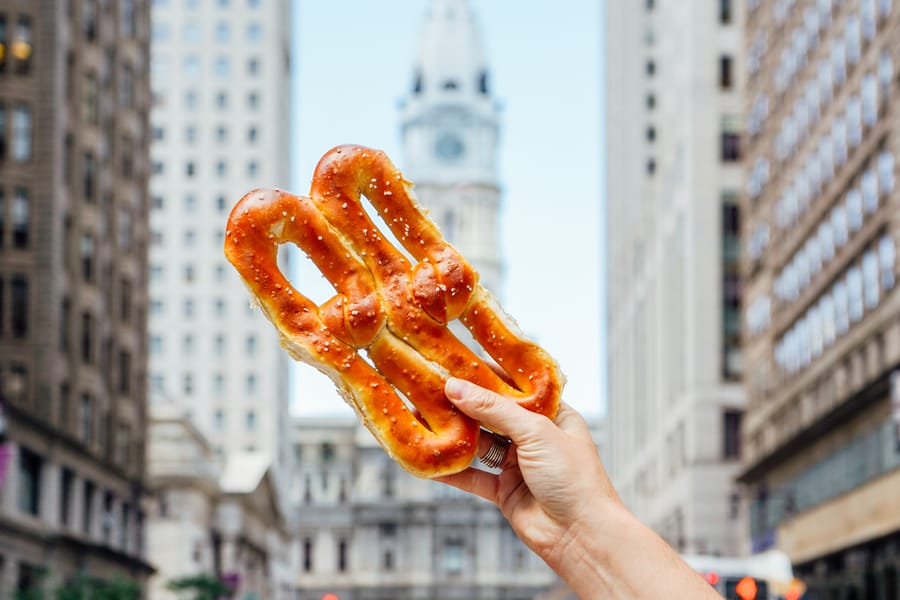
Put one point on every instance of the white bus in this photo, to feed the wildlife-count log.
(764, 576)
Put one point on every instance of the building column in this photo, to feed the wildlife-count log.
(10, 488)
(48, 508)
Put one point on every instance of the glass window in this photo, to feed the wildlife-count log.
(192, 66)
(870, 279)
(219, 415)
(222, 66)
(192, 33)
(886, 258)
(21, 133)
(838, 62)
(870, 191)
(854, 121)
(869, 100)
(853, 37)
(251, 420)
(867, 10)
(886, 172)
(854, 210)
(826, 241)
(841, 307)
(254, 32)
(219, 345)
(826, 310)
(251, 384)
(20, 218)
(223, 32)
(839, 140)
(839, 225)
(885, 73)
(813, 255)
(816, 337)
(855, 294)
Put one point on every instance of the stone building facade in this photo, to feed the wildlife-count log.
(673, 127)
(74, 104)
(367, 530)
(822, 453)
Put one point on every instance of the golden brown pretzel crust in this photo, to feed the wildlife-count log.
(396, 312)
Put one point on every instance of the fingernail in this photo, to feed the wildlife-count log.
(455, 388)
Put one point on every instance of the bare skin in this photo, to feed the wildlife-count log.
(558, 499)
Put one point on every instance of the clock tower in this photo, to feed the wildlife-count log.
(450, 136)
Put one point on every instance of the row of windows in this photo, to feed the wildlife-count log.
(220, 100)
(830, 153)
(861, 111)
(845, 469)
(860, 289)
(836, 229)
(20, 47)
(94, 502)
(188, 387)
(194, 4)
(220, 167)
(15, 131)
(189, 238)
(192, 68)
(90, 22)
(189, 203)
(249, 420)
(192, 33)
(188, 341)
(189, 273)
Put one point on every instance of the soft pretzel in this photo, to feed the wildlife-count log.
(396, 311)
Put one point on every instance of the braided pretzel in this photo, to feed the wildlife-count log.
(398, 313)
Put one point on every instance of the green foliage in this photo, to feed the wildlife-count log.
(83, 587)
(203, 587)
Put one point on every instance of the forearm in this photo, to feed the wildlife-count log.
(615, 556)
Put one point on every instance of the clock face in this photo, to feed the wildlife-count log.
(449, 147)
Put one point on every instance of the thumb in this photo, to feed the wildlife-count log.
(498, 413)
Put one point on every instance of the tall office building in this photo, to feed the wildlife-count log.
(74, 100)
(220, 79)
(674, 105)
(822, 310)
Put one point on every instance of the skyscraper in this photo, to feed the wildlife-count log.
(674, 102)
(74, 100)
(221, 80)
(822, 447)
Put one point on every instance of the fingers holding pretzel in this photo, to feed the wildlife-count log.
(394, 311)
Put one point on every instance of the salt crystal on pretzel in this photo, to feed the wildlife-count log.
(395, 311)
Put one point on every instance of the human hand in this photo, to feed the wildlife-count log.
(558, 499)
(552, 479)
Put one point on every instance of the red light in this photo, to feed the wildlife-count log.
(330, 597)
(792, 595)
(746, 588)
(711, 578)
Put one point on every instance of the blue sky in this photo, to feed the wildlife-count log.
(353, 63)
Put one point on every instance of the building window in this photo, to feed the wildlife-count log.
(307, 555)
(219, 419)
(251, 345)
(251, 420)
(89, 19)
(219, 383)
(342, 556)
(251, 384)
(453, 559)
(254, 32)
(20, 218)
(89, 99)
(731, 434)
(387, 560)
(87, 256)
(20, 149)
(252, 100)
(67, 482)
(651, 134)
(726, 72)
(187, 384)
(651, 166)
(30, 465)
(725, 12)
(124, 372)
(222, 67)
(650, 67)
(87, 507)
(251, 135)
(730, 146)
(219, 344)
(253, 66)
(87, 418)
(187, 343)
(192, 66)
(87, 338)
(87, 176)
(19, 320)
(223, 33)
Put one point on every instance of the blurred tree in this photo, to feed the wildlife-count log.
(203, 587)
